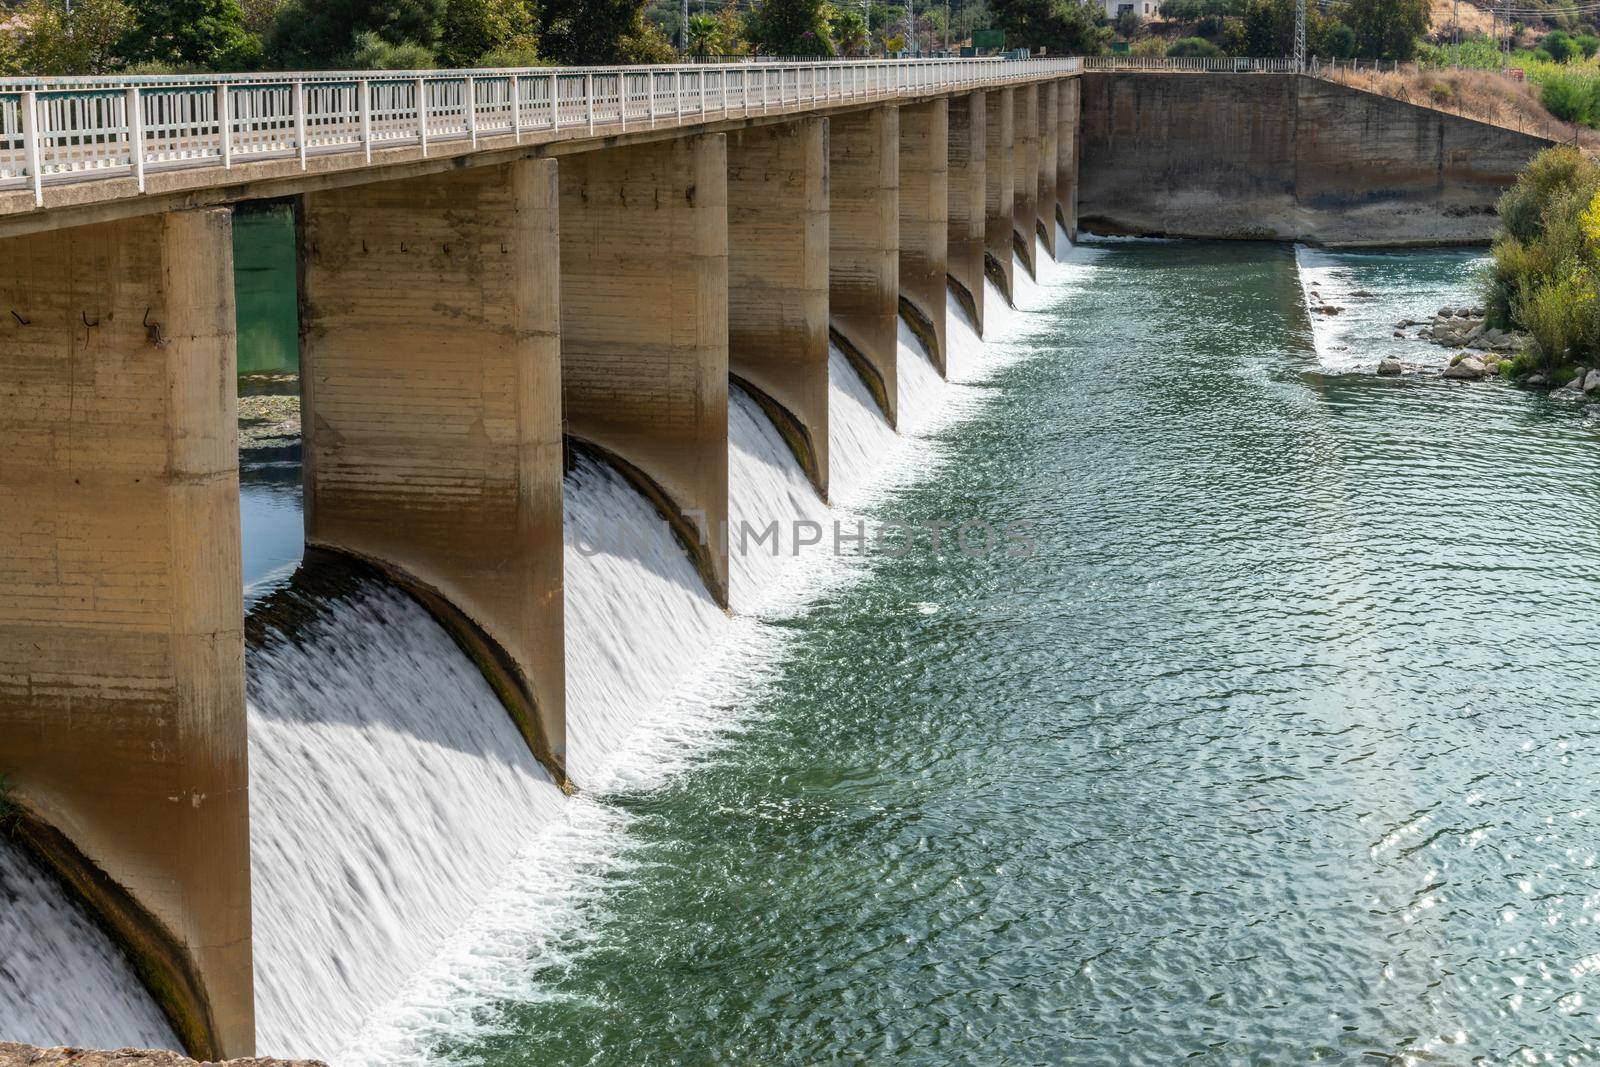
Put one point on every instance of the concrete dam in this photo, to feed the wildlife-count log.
(566, 338)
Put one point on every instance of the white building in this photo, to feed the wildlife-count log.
(1145, 8)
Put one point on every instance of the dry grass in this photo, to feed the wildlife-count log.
(1475, 94)
(1474, 19)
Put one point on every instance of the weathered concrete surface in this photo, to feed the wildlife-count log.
(967, 158)
(1067, 155)
(999, 194)
(864, 245)
(1025, 172)
(14, 1055)
(644, 327)
(1287, 157)
(1049, 136)
(122, 715)
(778, 279)
(431, 377)
(925, 222)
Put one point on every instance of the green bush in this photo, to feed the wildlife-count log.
(1588, 44)
(1193, 46)
(1559, 46)
(1546, 264)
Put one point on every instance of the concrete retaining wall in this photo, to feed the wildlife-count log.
(1286, 157)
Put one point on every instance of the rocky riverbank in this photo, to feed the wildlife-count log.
(13, 1055)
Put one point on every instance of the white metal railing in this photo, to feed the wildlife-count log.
(62, 130)
(1209, 64)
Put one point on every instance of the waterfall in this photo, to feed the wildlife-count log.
(639, 617)
(62, 981)
(920, 386)
(858, 435)
(766, 488)
(388, 789)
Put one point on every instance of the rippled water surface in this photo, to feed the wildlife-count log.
(1279, 749)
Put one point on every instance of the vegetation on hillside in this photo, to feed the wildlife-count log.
(1547, 264)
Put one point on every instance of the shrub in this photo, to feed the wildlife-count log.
(1440, 91)
(1560, 314)
(1551, 173)
(374, 53)
(1568, 98)
(1193, 46)
(1559, 46)
(1588, 44)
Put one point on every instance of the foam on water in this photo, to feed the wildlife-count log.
(859, 436)
(638, 616)
(62, 981)
(774, 512)
(388, 789)
(1373, 291)
(919, 386)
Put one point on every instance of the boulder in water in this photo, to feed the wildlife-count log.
(1467, 369)
(1591, 381)
(1389, 367)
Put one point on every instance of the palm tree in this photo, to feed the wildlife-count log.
(705, 35)
(850, 32)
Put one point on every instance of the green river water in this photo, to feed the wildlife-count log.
(1281, 749)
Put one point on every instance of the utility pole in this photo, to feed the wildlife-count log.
(1300, 35)
(911, 26)
(683, 29)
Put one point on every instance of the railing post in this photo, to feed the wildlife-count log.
(135, 108)
(650, 82)
(555, 102)
(622, 98)
(470, 89)
(30, 144)
(224, 128)
(366, 117)
(513, 82)
(300, 120)
(588, 96)
(422, 116)
(677, 85)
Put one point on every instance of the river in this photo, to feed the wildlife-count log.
(1277, 749)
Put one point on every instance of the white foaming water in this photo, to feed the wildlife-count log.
(639, 617)
(1372, 291)
(767, 490)
(62, 981)
(919, 385)
(859, 436)
(388, 790)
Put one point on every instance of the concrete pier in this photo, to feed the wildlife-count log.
(122, 714)
(967, 157)
(778, 280)
(1069, 117)
(925, 223)
(644, 327)
(431, 377)
(864, 244)
(999, 195)
(1049, 137)
(1025, 172)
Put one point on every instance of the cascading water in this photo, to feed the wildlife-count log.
(388, 790)
(639, 617)
(62, 981)
(920, 386)
(767, 493)
(858, 435)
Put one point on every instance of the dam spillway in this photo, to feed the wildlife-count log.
(510, 356)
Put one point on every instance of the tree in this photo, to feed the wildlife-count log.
(86, 41)
(1060, 27)
(1560, 46)
(600, 31)
(705, 35)
(793, 27)
(312, 34)
(198, 33)
(1387, 29)
(850, 34)
(473, 28)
